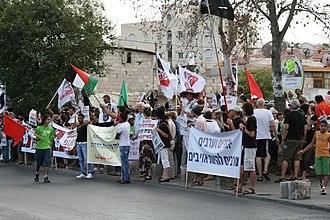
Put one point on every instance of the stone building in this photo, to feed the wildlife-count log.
(135, 66)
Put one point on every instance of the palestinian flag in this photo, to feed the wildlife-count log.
(80, 79)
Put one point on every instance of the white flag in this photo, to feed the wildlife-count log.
(190, 80)
(2, 101)
(167, 79)
(66, 94)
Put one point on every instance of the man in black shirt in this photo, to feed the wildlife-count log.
(292, 142)
(82, 149)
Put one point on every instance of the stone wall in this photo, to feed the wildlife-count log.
(139, 74)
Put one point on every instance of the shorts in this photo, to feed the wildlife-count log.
(164, 158)
(42, 157)
(262, 148)
(322, 166)
(249, 159)
(290, 152)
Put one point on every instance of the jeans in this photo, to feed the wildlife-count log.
(82, 155)
(124, 151)
(5, 153)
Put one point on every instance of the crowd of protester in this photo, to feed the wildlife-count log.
(294, 141)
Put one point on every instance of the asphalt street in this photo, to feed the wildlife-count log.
(102, 198)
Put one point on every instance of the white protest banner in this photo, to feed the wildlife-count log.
(65, 136)
(215, 153)
(60, 151)
(85, 111)
(66, 94)
(102, 147)
(182, 119)
(231, 101)
(157, 142)
(146, 128)
(134, 153)
(33, 117)
(30, 146)
(3, 142)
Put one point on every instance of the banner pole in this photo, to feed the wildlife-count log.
(217, 56)
(186, 185)
(50, 102)
(55, 163)
(237, 182)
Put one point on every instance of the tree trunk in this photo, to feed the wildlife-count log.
(227, 74)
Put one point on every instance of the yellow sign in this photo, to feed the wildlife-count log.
(102, 147)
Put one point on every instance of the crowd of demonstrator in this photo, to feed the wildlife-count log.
(295, 140)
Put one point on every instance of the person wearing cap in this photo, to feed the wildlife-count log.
(189, 103)
(236, 115)
(131, 120)
(265, 124)
(292, 142)
(109, 110)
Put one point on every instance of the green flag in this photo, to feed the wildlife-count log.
(123, 98)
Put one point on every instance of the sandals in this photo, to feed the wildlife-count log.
(249, 191)
(164, 180)
(280, 180)
(260, 178)
(147, 178)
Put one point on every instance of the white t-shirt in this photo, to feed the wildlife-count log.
(188, 106)
(264, 120)
(212, 126)
(124, 131)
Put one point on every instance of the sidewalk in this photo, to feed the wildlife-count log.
(266, 190)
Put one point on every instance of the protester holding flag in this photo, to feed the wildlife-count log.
(82, 149)
(44, 134)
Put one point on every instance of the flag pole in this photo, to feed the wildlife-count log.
(50, 102)
(217, 56)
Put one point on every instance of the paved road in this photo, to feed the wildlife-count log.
(101, 198)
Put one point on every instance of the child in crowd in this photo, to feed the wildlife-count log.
(321, 141)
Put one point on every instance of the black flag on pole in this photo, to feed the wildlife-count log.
(221, 8)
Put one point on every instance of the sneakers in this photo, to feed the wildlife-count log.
(323, 191)
(46, 180)
(36, 179)
(89, 176)
(81, 176)
(265, 175)
(124, 182)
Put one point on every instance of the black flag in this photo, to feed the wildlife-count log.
(221, 8)
(2, 101)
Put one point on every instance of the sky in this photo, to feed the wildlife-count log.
(119, 13)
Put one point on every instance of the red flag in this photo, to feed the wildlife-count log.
(13, 129)
(254, 88)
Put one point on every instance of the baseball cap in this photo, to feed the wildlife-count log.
(295, 104)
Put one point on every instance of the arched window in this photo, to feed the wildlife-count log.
(169, 17)
(132, 39)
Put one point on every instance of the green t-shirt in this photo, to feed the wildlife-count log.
(47, 133)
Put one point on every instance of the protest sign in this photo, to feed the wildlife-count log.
(61, 152)
(33, 117)
(183, 119)
(146, 128)
(215, 153)
(31, 143)
(85, 111)
(231, 101)
(134, 153)
(102, 147)
(157, 142)
(292, 73)
(65, 136)
(3, 142)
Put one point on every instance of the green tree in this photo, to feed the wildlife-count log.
(264, 79)
(39, 39)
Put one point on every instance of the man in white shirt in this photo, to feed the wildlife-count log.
(123, 135)
(138, 117)
(265, 122)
